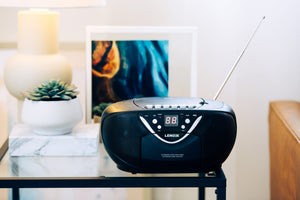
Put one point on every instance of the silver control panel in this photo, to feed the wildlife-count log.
(170, 127)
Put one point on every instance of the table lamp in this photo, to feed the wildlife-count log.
(37, 59)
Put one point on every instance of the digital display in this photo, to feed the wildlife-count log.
(171, 120)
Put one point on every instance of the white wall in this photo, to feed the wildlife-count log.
(269, 70)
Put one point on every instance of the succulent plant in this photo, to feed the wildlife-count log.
(98, 110)
(52, 90)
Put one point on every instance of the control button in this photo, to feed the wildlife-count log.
(187, 121)
(154, 121)
(159, 127)
(182, 126)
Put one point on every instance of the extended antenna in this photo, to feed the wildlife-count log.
(238, 60)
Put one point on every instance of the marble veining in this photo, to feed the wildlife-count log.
(68, 166)
(83, 141)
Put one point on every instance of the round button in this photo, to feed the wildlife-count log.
(182, 126)
(187, 121)
(159, 127)
(154, 121)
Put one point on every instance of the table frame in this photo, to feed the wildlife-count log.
(216, 180)
(201, 182)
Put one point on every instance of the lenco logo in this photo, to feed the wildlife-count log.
(172, 135)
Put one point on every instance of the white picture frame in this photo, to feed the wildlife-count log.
(182, 55)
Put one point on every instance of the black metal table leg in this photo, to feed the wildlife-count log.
(221, 190)
(221, 193)
(201, 190)
(16, 193)
(201, 193)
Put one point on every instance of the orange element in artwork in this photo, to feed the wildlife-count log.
(105, 59)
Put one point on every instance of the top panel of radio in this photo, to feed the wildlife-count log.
(178, 103)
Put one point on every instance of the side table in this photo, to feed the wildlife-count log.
(23, 172)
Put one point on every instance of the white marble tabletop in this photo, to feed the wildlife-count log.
(68, 166)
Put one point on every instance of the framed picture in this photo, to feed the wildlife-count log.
(125, 62)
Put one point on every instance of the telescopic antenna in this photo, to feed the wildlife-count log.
(238, 60)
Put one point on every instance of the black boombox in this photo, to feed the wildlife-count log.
(164, 135)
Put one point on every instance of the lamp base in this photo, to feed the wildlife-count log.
(23, 72)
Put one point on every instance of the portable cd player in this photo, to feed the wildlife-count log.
(168, 134)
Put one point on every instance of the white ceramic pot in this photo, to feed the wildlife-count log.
(52, 117)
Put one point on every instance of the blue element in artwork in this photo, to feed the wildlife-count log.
(128, 69)
(143, 69)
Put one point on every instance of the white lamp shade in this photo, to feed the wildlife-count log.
(51, 3)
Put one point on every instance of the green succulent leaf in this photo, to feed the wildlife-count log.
(52, 90)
